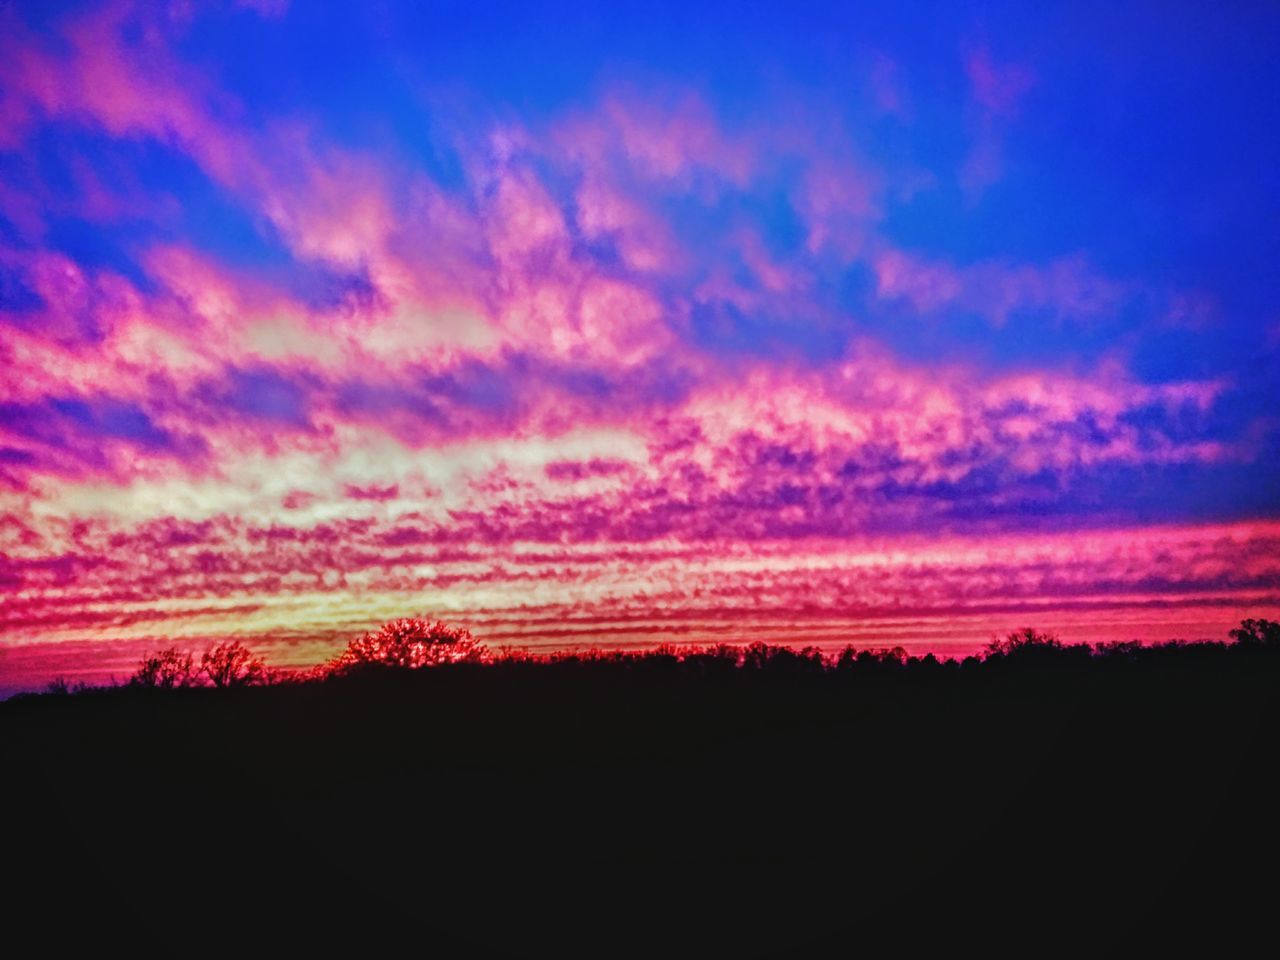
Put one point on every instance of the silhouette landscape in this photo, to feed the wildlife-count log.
(743, 801)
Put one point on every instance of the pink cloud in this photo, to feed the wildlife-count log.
(570, 470)
(525, 221)
(998, 91)
(927, 286)
(1067, 287)
(998, 88)
(671, 140)
(265, 8)
(773, 276)
(984, 165)
(887, 88)
(644, 242)
(298, 500)
(127, 92)
(378, 493)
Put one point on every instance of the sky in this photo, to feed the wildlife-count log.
(621, 324)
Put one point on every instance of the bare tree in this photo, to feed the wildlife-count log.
(232, 664)
(164, 670)
(410, 643)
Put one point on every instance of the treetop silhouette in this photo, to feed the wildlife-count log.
(227, 664)
(165, 670)
(232, 664)
(1027, 638)
(1257, 633)
(410, 643)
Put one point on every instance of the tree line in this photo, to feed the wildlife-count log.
(416, 643)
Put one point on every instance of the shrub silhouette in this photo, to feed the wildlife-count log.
(164, 670)
(410, 643)
(232, 664)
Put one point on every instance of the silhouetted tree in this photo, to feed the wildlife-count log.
(1257, 633)
(410, 643)
(232, 664)
(1027, 638)
(1119, 650)
(164, 670)
(852, 657)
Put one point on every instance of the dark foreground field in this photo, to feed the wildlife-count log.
(1037, 803)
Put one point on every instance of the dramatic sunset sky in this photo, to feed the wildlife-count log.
(627, 323)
